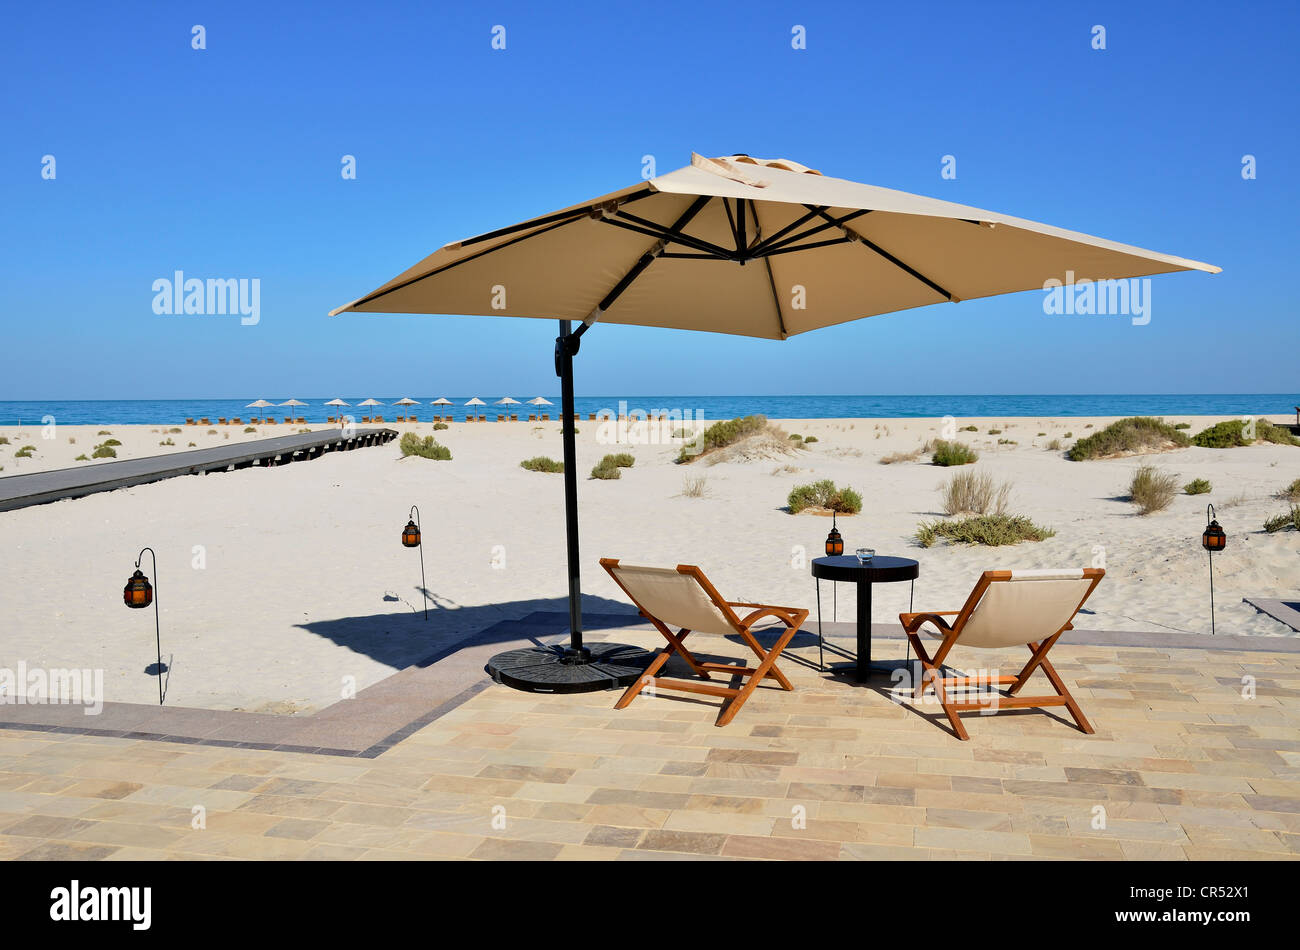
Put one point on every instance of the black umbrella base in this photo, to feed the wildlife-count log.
(558, 669)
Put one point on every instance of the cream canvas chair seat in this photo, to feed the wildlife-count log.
(682, 597)
(1006, 609)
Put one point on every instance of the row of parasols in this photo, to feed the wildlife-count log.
(406, 401)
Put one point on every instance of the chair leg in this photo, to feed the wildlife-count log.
(733, 705)
(775, 673)
(1059, 685)
(641, 681)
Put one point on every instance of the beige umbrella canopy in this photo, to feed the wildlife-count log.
(810, 251)
(856, 250)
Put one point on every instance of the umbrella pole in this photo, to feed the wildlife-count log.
(565, 346)
(575, 668)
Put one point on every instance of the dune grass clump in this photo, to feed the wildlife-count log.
(995, 431)
(104, 432)
(1182, 425)
(113, 442)
(1151, 489)
(4, 440)
(810, 440)
(542, 464)
(437, 426)
(1054, 445)
(825, 495)
(174, 430)
(1137, 435)
(894, 457)
(795, 437)
(166, 442)
(1281, 522)
(25, 452)
(969, 429)
(1232, 433)
(83, 457)
(1197, 486)
(970, 493)
(104, 451)
(721, 434)
(610, 465)
(953, 453)
(993, 530)
(249, 429)
(1291, 492)
(428, 447)
(695, 486)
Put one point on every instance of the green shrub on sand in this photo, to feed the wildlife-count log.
(720, 435)
(824, 495)
(542, 464)
(428, 447)
(1197, 486)
(1233, 433)
(1136, 435)
(992, 530)
(952, 453)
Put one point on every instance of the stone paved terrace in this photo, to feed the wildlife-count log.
(1184, 766)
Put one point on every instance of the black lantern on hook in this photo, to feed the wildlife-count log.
(834, 541)
(411, 539)
(138, 593)
(1213, 539)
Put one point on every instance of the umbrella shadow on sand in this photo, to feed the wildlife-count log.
(402, 638)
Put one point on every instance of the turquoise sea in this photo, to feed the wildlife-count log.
(1277, 406)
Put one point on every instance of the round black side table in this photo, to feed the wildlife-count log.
(881, 569)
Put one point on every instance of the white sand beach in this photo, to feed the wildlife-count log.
(277, 585)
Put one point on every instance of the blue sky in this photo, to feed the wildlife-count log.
(225, 162)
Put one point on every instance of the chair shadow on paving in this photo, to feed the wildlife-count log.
(403, 638)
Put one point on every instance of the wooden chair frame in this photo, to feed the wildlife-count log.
(932, 666)
(734, 698)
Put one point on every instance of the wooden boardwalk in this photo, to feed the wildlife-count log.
(39, 488)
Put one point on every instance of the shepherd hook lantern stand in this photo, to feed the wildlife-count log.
(411, 539)
(139, 593)
(575, 668)
(1212, 540)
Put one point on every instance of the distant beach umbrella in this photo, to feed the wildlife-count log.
(442, 401)
(370, 402)
(540, 401)
(858, 250)
(338, 402)
(292, 402)
(407, 401)
(507, 401)
(474, 402)
(260, 404)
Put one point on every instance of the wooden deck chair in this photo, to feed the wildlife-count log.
(189, 422)
(683, 597)
(1006, 608)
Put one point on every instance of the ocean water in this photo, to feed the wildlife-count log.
(1277, 406)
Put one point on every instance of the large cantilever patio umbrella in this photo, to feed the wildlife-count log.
(733, 245)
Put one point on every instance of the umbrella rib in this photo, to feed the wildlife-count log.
(383, 292)
(762, 245)
(731, 222)
(565, 215)
(854, 236)
(646, 259)
(771, 246)
(771, 278)
(671, 234)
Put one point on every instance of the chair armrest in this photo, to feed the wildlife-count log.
(790, 616)
(912, 622)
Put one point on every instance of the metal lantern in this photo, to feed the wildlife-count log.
(138, 591)
(1212, 540)
(834, 541)
(411, 539)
